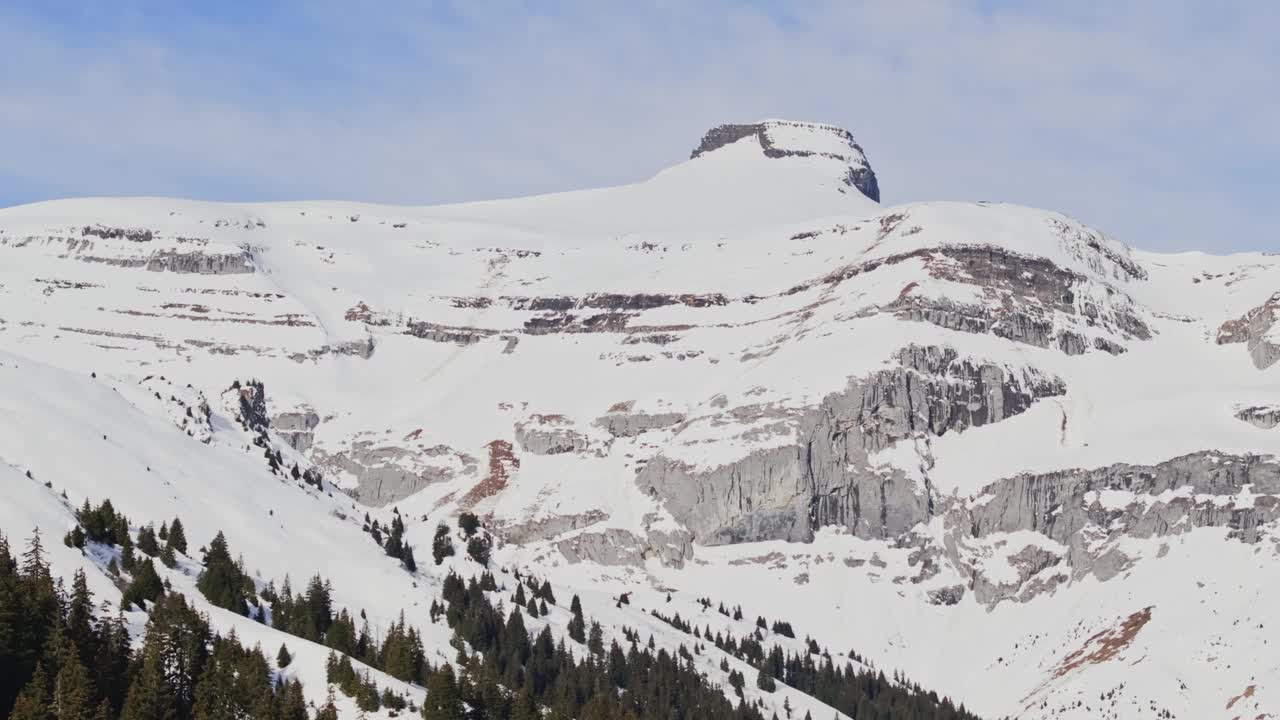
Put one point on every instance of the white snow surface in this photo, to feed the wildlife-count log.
(93, 326)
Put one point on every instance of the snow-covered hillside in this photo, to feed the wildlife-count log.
(985, 445)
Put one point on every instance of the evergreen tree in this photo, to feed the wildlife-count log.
(545, 592)
(34, 700)
(469, 523)
(318, 609)
(110, 665)
(596, 639)
(222, 582)
(395, 538)
(174, 655)
(127, 558)
(442, 545)
(443, 701)
(79, 623)
(290, 704)
(73, 693)
(283, 658)
(177, 537)
(328, 711)
(146, 585)
(577, 625)
(478, 548)
(76, 538)
(147, 541)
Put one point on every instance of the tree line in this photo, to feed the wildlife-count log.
(61, 660)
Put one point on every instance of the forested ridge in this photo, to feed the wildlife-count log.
(62, 657)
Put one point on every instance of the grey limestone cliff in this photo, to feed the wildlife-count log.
(826, 477)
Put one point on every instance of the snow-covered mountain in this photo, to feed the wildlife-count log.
(984, 445)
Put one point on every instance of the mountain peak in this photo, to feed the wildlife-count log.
(789, 138)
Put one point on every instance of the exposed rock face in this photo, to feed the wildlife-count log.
(949, 595)
(446, 334)
(1031, 300)
(628, 424)
(551, 435)
(138, 235)
(296, 428)
(1258, 329)
(826, 476)
(1263, 416)
(387, 473)
(615, 546)
(543, 529)
(1059, 505)
(1084, 513)
(859, 174)
(201, 263)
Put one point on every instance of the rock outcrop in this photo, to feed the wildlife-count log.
(1145, 499)
(1259, 329)
(827, 476)
(1027, 299)
(614, 546)
(1262, 416)
(629, 424)
(201, 263)
(296, 428)
(859, 174)
(551, 435)
(1077, 517)
(387, 472)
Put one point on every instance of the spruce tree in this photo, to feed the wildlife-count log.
(443, 701)
(77, 538)
(291, 704)
(442, 545)
(222, 582)
(127, 558)
(34, 700)
(546, 593)
(72, 689)
(145, 585)
(478, 548)
(595, 641)
(328, 711)
(469, 523)
(283, 658)
(177, 537)
(577, 625)
(110, 665)
(79, 623)
(147, 541)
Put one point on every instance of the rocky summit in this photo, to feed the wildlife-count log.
(988, 450)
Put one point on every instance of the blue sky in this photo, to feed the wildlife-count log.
(1156, 121)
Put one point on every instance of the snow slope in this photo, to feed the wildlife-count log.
(583, 368)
